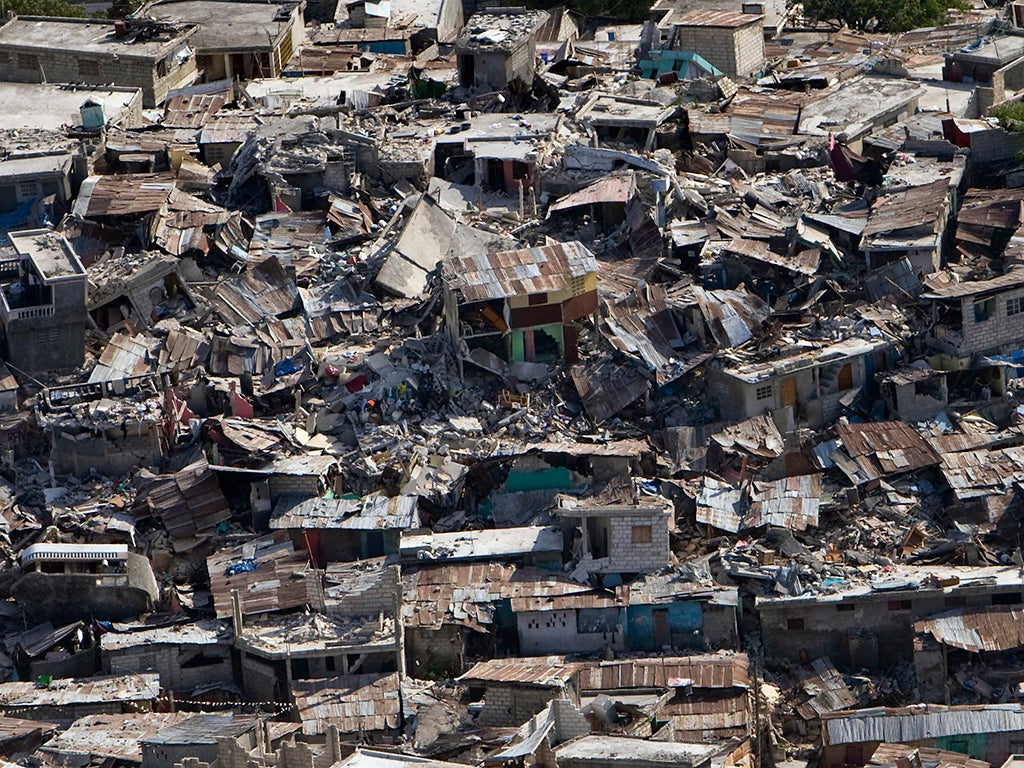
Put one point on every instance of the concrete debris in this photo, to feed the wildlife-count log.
(391, 382)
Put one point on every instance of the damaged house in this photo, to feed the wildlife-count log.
(521, 305)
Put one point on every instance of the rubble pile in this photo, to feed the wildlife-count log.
(390, 382)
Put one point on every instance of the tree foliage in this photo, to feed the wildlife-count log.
(119, 9)
(41, 8)
(882, 15)
(1010, 115)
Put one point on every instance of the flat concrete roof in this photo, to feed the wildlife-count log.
(225, 25)
(21, 104)
(53, 257)
(84, 36)
(605, 749)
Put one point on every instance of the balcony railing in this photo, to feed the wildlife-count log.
(23, 313)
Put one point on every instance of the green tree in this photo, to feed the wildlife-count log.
(882, 15)
(41, 8)
(1010, 115)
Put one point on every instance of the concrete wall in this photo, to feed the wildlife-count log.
(450, 19)
(111, 452)
(811, 628)
(50, 342)
(544, 632)
(737, 51)
(22, 64)
(512, 705)
(683, 621)
(381, 597)
(1000, 332)
(434, 653)
(720, 626)
(628, 556)
(66, 597)
(171, 662)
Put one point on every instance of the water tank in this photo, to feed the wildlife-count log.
(92, 114)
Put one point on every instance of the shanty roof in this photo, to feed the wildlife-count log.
(1012, 280)
(983, 472)
(827, 690)
(989, 628)
(116, 736)
(13, 728)
(537, 672)
(910, 213)
(189, 503)
(876, 449)
(718, 670)
(123, 195)
(465, 593)
(268, 576)
(790, 502)
(87, 690)
(918, 722)
(353, 703)
(547, 268)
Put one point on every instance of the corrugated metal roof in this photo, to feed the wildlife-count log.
(607, 388)
(791, 502)
(280, 578)
(123, 195)
(1012, 279)
(193, 110)
(980, 473)
(111, 736)
(547, 268)
(354, 704)
(914, 208)
(826, 689)
(13, 728)
(189, 503)
(720, 504)
(992, 628)
(699, 17)
(89, 690)
(540, 672)
(890, 447)
(725, 670)
(918, 722)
